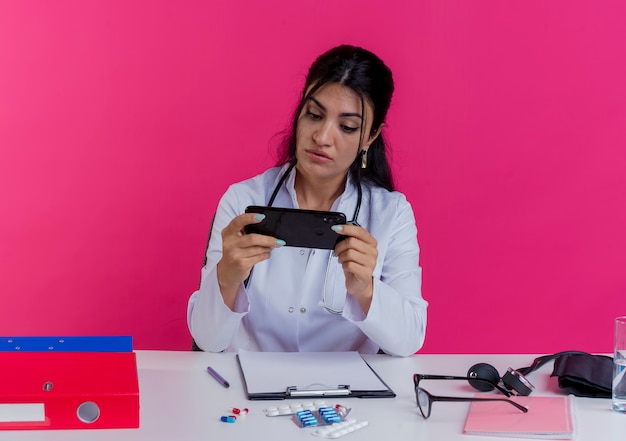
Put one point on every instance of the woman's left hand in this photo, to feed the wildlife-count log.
(357, 254)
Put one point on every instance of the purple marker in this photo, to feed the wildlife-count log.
(217, 376)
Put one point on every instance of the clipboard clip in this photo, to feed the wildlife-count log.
(340, 390)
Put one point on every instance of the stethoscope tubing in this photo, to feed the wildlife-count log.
(355, 215)
(282, 179)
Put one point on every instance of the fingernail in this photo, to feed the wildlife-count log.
(259, 217)
(336, 228)
(280, 242)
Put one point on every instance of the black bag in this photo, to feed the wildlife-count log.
(579, 373)
(584, 375)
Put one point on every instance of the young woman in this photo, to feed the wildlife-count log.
(365, 295)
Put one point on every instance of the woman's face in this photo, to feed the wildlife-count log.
(329, 131)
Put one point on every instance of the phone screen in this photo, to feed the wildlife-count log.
(298, 228)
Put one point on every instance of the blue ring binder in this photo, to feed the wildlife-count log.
(67, 344)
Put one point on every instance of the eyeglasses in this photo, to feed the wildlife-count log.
(425, 401)
(418, 377)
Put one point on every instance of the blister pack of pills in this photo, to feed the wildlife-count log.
(337, 430)
(329, 421)
(321, 417)
(293, 408)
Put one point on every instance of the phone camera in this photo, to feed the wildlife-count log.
(332, 219)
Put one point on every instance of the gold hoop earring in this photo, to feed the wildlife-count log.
(364, 159)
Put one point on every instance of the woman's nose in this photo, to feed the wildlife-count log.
(323, 135)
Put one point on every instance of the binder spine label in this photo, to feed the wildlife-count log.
(22, 413)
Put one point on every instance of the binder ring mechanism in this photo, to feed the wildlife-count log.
(311, 390)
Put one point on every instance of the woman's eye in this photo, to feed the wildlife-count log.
(313, 116)
(349, 129)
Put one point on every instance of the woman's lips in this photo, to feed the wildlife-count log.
(318, 155)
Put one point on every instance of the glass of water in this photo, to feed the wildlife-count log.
(619, 366)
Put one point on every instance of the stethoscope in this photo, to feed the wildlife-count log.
(331, 255)
(283, 178)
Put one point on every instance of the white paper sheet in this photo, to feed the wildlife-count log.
(271, 372)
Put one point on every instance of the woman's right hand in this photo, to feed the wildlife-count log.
(240, 252)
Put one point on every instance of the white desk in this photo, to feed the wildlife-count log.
(181, 401)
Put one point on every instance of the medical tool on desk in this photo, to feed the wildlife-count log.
(579, 373)
(282, 179)
(484, 378)
(331, 256)
(294, 408)
(330, 421)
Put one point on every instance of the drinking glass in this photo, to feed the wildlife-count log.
(619, 366)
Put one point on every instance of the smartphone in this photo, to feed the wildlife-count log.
(298, 228)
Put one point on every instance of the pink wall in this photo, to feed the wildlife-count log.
(121, 124)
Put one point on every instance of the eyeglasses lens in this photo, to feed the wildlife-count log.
(423, 401)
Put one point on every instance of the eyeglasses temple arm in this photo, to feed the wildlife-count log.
(451, 377)
(519, 406)
(501, 389)
(439, 377)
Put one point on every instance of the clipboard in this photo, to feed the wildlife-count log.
(284, 375)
